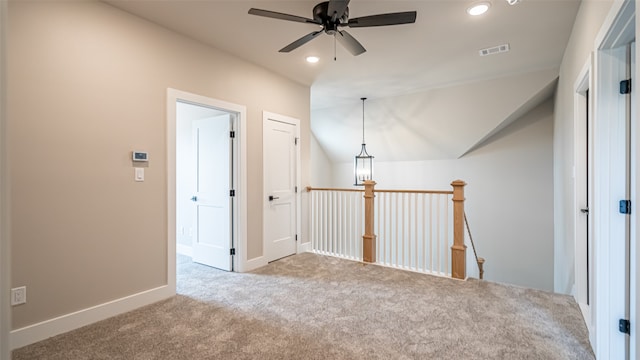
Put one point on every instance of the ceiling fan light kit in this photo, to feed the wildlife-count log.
(312, 59)
(332, 15)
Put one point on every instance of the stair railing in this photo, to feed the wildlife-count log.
(337, 215)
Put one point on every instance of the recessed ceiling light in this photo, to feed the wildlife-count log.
(513, 2)
(312, 59)
(478, 8)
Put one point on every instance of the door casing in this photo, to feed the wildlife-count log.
(240, 210)
(612, 261)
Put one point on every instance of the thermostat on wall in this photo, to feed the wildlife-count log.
(140, 156)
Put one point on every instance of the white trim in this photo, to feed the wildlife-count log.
(255, 263)
(304, 247)
(635, 220)
(615, 29)
(46, 329)
(240, 112)
(185, 250)
(618, 29)
(609, 225)
(267, 116)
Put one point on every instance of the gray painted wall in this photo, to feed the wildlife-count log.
(509, 196)
(87, 85)
(588, 22)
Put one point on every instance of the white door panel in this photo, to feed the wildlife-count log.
(212, 150)
(280, 162)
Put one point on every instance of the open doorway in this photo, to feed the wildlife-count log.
(584, 279)
(206, 182)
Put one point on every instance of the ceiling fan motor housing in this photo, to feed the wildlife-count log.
(330, 25)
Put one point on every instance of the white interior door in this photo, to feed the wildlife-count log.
(280, 187)
(212, 239)
(612, 188)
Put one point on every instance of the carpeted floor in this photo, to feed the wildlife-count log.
(315, 307)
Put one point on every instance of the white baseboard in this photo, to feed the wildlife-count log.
(65, 323)
(306, 247)
(185, 250)
(252, 264)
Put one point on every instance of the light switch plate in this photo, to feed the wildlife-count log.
(139, 174)
(19, 296)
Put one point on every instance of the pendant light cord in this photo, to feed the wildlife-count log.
(363, 99)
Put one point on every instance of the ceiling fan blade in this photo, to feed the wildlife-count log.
(281, 16)
(350, 43)
(407, 17)
(303, 40)
(338, 7)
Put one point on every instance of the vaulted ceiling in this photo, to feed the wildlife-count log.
(431, 95)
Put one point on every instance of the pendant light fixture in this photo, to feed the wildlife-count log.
(363, 164)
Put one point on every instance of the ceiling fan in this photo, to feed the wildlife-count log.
(332, 15)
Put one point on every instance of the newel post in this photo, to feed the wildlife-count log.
(369, 238)
(459, 249)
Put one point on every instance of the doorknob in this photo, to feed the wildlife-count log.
(584, 211)
(194, 198)
(271, 197)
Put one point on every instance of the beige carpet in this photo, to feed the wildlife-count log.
(315, 307)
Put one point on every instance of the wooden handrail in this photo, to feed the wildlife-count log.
(444, 192)
(309, 189)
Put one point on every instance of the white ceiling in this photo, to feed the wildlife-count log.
(402, 62)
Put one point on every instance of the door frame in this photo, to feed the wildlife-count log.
(618, 29)
(240, 168)
(269, 116)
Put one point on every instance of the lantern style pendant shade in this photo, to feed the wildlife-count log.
(363, 164)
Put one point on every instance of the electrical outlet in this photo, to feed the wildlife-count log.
(18, 295)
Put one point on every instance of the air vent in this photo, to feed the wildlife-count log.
(494, 50)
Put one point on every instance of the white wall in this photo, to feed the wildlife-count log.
(321, 166)
(588, 22)
(509, 196)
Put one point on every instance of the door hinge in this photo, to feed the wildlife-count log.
(232, 251)
(625, 206)
(296, 237)
(295, 141)
(625, 87)
(624, 326)
(232, 193)
(296, 189)
(232, 134)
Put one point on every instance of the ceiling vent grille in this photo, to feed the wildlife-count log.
(494, 50)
